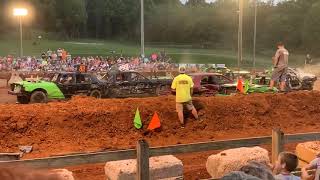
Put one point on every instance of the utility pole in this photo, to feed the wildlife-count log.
(21, 46)
(255, 34)
(240, 33)
(142, 29)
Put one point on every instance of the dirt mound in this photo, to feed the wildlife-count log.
(86, 124)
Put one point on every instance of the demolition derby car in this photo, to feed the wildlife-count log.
(133, 84)
(64, 85)
(61, 86)
(210, 83)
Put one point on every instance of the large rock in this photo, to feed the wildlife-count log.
(230, 160)
(308, 151)
(62, 174)
(161, 167)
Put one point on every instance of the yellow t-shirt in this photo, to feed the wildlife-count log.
(182, 85)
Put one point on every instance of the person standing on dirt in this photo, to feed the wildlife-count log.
(183, 86)
(280, 63)
(308, 59)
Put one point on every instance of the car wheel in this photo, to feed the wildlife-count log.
(22, 99)
(95, 93)
(38, 97)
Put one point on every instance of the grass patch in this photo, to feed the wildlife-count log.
(178, 54)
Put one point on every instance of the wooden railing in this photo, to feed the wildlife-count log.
(143, 152)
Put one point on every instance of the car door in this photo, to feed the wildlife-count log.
(83, 83)
(209, 83)
(66, 83)
(118, 85)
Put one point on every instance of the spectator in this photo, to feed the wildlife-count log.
(251, 171)
(259, 170)
(238, 175)
(313, 165)
(49, 53)
(286, 163)
(54, 56)
(308, 59)
(59, 53)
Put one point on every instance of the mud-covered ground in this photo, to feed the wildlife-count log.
(86, 124)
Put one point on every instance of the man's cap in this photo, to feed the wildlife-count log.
(182, 70)
(280, 43)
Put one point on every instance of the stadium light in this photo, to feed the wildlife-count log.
(20, 12)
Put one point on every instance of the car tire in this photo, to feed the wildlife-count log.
(95, 93)
(38, 97)
(22, 100)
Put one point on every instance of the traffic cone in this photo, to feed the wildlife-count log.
(155, 122)
(240, 86)
(137, 120)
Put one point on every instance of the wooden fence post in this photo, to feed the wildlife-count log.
(142, 160)
(277, 144)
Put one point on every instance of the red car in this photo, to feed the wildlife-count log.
(209, 83)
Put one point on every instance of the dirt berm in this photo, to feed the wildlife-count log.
(86, 124)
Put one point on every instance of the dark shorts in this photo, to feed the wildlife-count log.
(180, 106)
(279, 74)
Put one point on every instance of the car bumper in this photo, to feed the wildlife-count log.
(14, 93)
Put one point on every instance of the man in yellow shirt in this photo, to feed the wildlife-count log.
(183, 85)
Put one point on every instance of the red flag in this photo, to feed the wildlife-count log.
(155, 122)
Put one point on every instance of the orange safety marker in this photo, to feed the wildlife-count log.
(155, 122)
(240, 86)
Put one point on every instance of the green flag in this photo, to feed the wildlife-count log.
(246, 86)
(137, 120)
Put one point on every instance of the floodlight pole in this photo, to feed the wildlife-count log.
(21, 47)
(255, 34)
(142, 29)
(240, 33)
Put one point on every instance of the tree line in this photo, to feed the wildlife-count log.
(296, 22)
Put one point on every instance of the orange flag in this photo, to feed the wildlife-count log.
(240, 86)
(155, 122)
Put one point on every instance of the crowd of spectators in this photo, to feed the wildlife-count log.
(61, 60)
(283, 169)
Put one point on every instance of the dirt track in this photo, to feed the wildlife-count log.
(85, 124)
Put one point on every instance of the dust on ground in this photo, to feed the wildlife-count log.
(5, 98)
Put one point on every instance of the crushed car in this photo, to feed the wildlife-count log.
(62, 85)
(210, 83)
(133, 84)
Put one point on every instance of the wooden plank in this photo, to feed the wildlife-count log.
(208, 146)
(9, 156)
(74, 160)
(302, 137)
(142, 160)
(102, 157)
(277, 144)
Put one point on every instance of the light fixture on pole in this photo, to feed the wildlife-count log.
(20, 12)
